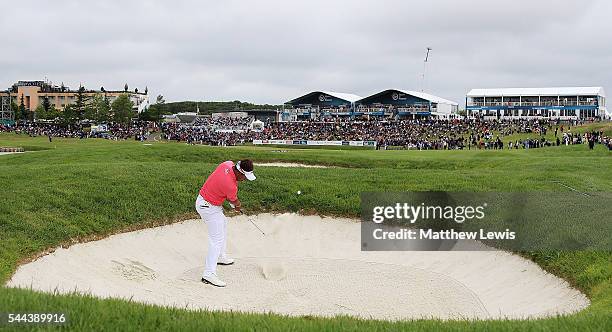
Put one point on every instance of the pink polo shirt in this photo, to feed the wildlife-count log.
(221, 185)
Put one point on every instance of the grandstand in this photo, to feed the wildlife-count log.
(318, 104)
(566, 103)
(388, 103)
(401, 104)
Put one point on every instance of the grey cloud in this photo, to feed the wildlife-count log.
(271, 51)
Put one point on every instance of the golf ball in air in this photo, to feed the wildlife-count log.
(299, 192)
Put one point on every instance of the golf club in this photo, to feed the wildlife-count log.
(254, 224)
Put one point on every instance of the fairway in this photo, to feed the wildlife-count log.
(72, 190)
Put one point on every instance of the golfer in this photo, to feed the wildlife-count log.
(221, 185)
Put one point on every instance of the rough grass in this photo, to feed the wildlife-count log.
(73, 189)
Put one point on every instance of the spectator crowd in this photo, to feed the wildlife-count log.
(210, 131)
(421, 134)
(138, 130)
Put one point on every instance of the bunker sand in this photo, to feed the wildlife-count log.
(305, 265)
(290, 165)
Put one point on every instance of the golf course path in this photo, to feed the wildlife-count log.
(303, 265)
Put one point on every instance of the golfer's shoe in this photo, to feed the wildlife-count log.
(213, 280)
(225, 261)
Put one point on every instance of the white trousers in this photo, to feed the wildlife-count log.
(217, 233)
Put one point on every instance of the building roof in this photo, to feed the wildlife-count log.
(422, 95)
(560, 91)
(345, 96)
(427, 96)
(340, 95)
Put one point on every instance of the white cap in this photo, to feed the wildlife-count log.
(249, 175)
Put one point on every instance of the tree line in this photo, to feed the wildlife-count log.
(97, 108)
(160, 107)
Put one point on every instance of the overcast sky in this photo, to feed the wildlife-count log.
(273, 51)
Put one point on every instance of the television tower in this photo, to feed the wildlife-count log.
(424, 64)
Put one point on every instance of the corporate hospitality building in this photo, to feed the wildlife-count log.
(318, 104)
(567, 103)
(392, 103)
(406, 104)
(35, 92)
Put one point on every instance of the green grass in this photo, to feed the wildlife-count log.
(606, 127)
(77, 189)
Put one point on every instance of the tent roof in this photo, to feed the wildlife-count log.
(349, 97)
(422, 95)
(427, 96)
(345, 96)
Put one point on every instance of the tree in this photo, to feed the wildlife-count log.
(47, 114)
(40, 112)
(69, 116)
(46, 104)
(53, 113)
(99, 109)
(90, 112)
(146, 90)
(160, 99)
(82, 103)
(153, 113)
(104, 110)
(206, 107)
(146, 115)
(22, 111)
(122, 109)
(125, 88)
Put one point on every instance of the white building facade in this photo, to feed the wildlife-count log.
(564, 103)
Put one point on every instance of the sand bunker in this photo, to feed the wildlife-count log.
(289, 165)
(302, 266)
